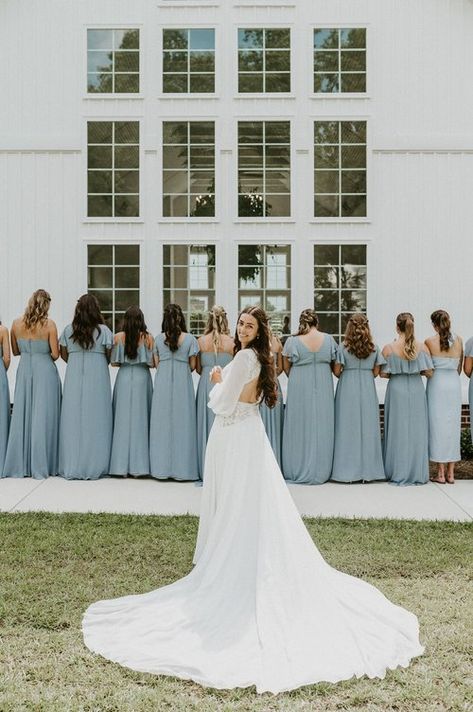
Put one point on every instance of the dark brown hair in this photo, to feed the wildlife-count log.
(174, 324)
(405, 324)
(87, 317)
(308, 319)
(441, 319)
(267, 387)
(134, 327)
(358, 340)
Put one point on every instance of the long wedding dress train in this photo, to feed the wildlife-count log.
(261, 606)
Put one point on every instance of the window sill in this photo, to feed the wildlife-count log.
(264, 221)
(316, 221)
(112, 220)
(97, 95)
(188, 96)
(187, 221)
(264, 95)
(340, 95)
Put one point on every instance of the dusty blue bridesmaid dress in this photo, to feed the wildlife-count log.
(4, 410)
(469, 352)
(32, 449)
(444, 404)
(132, 396)
(357, 453)
(173, 427)
(307, 443)
(85, 434)
(405, 444)
(273, 419)
(205, 415)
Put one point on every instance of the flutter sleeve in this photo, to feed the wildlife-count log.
(63, 337)
(224, 396)
(341, 355)
(469, 347)
(380, 360)
(193, 346)
(118, 353)
(290, 350)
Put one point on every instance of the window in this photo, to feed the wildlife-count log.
(113, 161)
(264, 60)
(339, 285)
(339, 60)
(113, 276)
(264, 168)
(189, 280)
(189, 61)
(264, 278)
(189, 169)
(340, 169)
(113, 61)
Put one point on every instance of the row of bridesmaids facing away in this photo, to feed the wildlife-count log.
(85, 433)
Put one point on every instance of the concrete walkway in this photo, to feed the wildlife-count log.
(148, 496)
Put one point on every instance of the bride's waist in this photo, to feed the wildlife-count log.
(241, 412)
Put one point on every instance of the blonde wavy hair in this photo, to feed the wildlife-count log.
(405, 324)
(358, 339)
(308, 319)
(217, 325)
(36, 312)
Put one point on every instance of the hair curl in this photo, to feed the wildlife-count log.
(87, 318)
(441, 320)
(134, 327)
(405, 324)
(358, 339)
(36, 312)
(308, 319)
(173, 325)
(217, 325)
(267, 387)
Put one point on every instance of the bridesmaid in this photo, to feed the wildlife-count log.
(133, 353)
(173, 431)
(357, 454)
(215, 349)
(444, 397)
(406, 456)
(32, 449)
(468, 370)
(273, 418)
(85, 433)
(4, 393)
(308, 360)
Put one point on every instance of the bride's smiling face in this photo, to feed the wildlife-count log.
(247, 329)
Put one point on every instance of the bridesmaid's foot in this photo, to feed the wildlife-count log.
(451, 476)
(440, 479)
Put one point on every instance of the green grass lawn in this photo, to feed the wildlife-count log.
(53, 566)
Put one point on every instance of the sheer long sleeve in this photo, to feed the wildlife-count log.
(224, 396)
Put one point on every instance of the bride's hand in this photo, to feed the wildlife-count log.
(216, 375)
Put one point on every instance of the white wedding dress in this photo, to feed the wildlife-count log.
(261, 606)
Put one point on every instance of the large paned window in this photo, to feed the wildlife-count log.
(340, 169)
(113, 275)
(264, 60)
(113, 61)
(189, 61)
(339, 60)
(264, 169)
(264, 278)
(339, 285)
(189, 280)
(188, 169)
(113, 163)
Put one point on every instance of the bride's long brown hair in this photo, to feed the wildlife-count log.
(267, 384)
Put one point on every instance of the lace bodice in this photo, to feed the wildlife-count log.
(224, 397)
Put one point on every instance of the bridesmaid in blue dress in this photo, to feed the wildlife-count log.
(444, 397)
(215, 349)
(357, 454)
(468, 370)
(273, 418)
(173, 427)
(32, 449)
(405, 446)
(4, 393)
(85, 433)
(133, 353)
(307, 445)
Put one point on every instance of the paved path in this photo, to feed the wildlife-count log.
(148, 496)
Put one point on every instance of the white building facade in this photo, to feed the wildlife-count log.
(293, 154)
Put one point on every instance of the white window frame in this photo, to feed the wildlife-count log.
(162, 96)
(142, 75)
(340, 26)
(257, 24)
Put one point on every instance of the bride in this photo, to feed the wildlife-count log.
(261, 606)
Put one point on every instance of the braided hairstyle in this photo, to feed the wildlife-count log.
(173, 325)
(134, 328)
(36, 312)
(217, 325)
(307, 320)
(267, 387)
(441, 320)
(405, 324)
(358, 339)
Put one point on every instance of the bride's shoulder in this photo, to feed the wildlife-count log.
(247, 354)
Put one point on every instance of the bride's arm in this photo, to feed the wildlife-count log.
(224, 396)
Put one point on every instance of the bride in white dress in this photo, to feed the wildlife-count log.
(261, 606)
